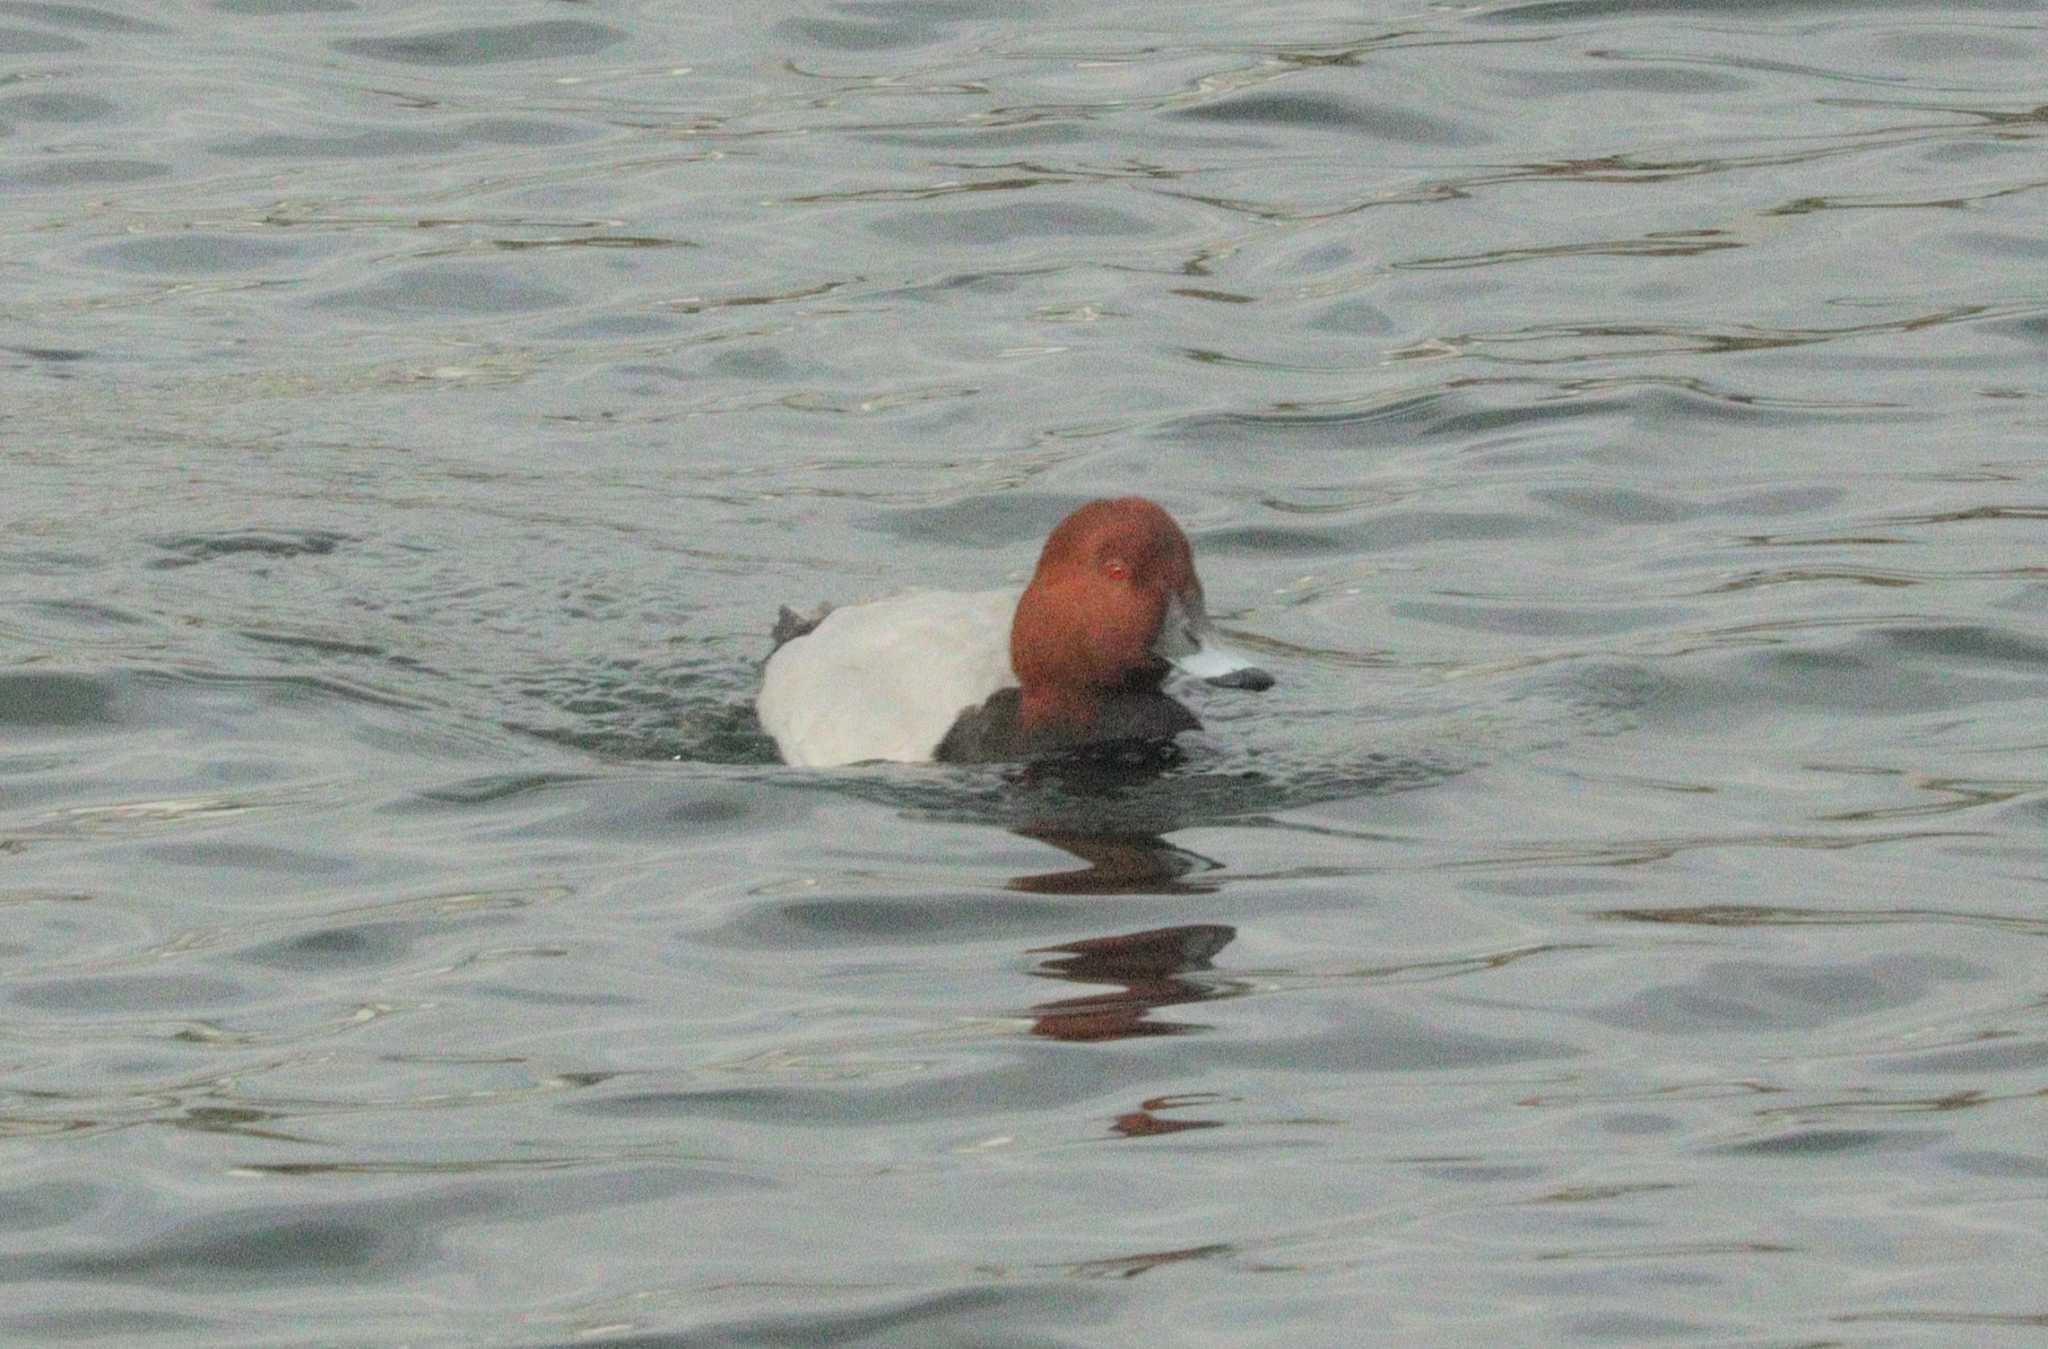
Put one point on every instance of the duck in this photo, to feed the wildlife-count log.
(1078, 659)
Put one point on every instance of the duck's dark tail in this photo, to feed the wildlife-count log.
(790, 625)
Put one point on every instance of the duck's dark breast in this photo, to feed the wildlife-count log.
(994, 733)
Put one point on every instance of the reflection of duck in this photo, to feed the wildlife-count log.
(1118, 864)
(1145, 964)
(1144, 1122)
(1077, 660)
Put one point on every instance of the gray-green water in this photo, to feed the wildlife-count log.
(1621, 427)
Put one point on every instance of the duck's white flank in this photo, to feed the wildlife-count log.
(887, 680)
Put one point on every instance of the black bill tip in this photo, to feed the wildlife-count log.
(1248, 677)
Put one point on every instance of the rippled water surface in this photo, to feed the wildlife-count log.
(1620, 426)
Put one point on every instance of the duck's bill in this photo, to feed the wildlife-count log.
(1188, 642)
(1224, 668)
(1245, 676)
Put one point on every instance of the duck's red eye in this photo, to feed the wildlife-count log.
(1115, 568)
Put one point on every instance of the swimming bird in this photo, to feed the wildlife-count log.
(1078, 659)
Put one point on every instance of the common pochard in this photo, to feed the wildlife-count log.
(1078, 659)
